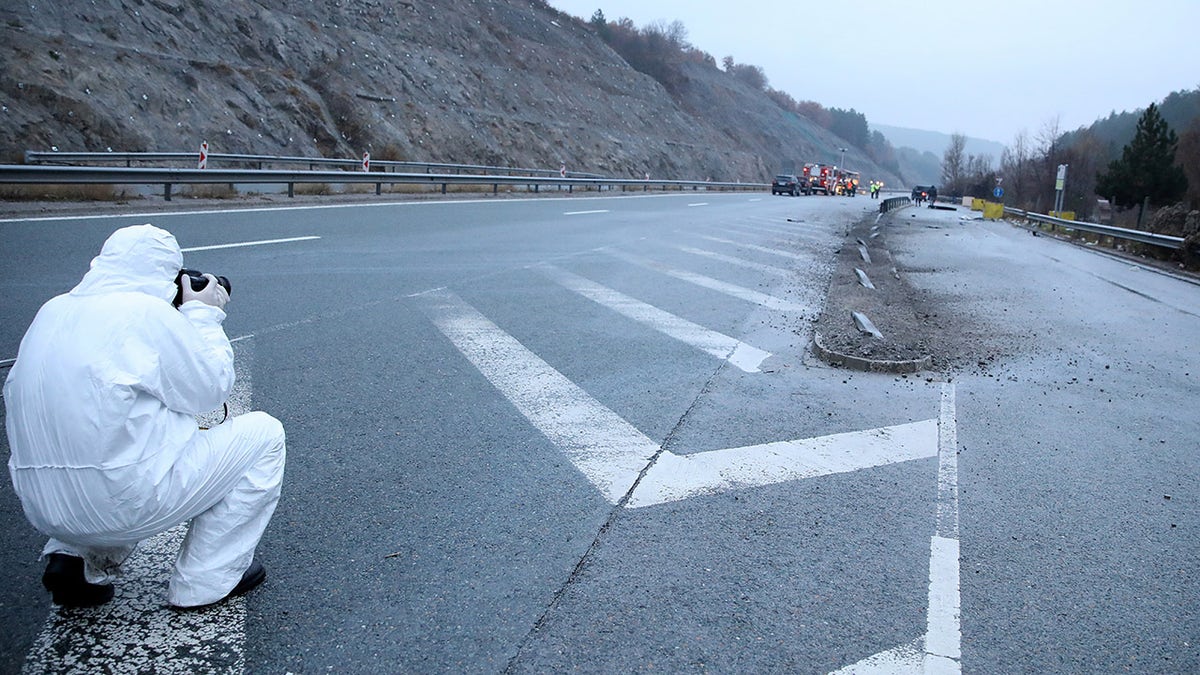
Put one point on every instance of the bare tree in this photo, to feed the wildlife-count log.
(1014, 169)
(954, 164)
(1044, 171)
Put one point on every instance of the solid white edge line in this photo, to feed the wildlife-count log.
(947, 500)
(943, 634)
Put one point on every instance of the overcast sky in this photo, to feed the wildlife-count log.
(985, 69)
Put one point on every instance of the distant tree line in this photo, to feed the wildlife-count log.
(659, 50)
(1151, 163)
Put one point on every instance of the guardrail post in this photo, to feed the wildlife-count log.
(495, 188)
(291, 190)
(166, 192)
(378, 189)
(443, 188)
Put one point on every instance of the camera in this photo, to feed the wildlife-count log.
(198, 282)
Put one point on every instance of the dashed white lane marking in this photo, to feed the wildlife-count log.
(941, 649)
(136, 632)
(739, 354)
(733, 290)
(611, 453)
(584, 213)
(699, 204)
(248, 243)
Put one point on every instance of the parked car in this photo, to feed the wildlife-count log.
(924, 193)
(786, 183)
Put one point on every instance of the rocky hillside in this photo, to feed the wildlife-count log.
(499, 82)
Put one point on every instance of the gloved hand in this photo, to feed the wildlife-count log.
(213, 294)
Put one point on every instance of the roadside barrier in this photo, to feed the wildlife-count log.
(1140, 236)
(893, 203)
(168, 178)
(262, 161)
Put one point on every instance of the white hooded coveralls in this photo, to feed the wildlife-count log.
(101, 406)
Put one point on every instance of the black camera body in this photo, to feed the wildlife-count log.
(198, 282)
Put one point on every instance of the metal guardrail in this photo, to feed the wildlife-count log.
(893, 203)
(55, 175)
(128, 158)
(1140, 236)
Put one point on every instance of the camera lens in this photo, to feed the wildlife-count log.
(198, 281)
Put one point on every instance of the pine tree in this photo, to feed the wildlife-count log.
(1146, 167)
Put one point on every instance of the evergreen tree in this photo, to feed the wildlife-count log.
(1146, 167)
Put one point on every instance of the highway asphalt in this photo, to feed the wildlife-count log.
(454, 378)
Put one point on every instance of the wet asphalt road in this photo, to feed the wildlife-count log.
(428, 525)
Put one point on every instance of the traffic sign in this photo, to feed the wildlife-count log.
(998, 192)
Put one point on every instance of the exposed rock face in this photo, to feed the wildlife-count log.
(1174, 220)
(512, 83)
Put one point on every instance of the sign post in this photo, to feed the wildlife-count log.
(1060, 184)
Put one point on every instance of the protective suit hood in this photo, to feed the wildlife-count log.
(137, 259)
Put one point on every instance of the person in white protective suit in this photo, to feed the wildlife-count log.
(106, 451)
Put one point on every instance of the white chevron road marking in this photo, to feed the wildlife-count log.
(612, 454)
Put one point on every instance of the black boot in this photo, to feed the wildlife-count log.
(66, 582)
(251, 579)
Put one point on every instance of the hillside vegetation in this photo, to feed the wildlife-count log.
(498, 82)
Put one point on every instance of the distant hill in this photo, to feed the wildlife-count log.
(937, 142)
(919, 168)
(920, 151)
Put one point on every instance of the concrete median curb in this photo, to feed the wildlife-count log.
(868, 365)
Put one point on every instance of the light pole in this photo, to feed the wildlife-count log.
(843, 167)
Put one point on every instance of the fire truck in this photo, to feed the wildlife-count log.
(820, 177)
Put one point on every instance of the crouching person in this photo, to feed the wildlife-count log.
(101, 406)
